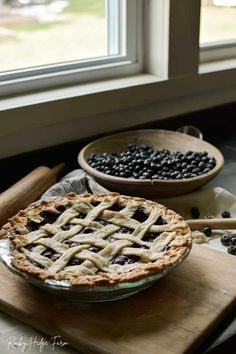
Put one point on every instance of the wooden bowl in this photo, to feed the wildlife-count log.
(159, 139)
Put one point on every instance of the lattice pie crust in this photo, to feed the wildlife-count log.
(97, 239)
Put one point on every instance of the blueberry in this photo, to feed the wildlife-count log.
(196, 170)
(141, 215)
(225, 214)
(123, 174)
(146, 163)
(135, 175)
(207, 230)
(179, 176)
(165, 174)
(178, 166)
(226, 239)
(173, 175)
(212, 162)
(87, 230)
(210, 166)
(190, 167)
(32, 225)
(186, 175)
(202, 165)
(188, 153)
(160, 221)
(232, 250)
(189, 158)
(146, 175)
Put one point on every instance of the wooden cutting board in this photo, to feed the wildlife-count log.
(172, 317)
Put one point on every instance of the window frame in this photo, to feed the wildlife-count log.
(128, 61)
(211, 52)
(217, 51)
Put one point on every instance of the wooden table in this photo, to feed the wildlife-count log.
(172, 317)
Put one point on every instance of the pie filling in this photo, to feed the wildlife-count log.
(92, 235)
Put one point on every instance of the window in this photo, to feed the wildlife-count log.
(51, 42)
(218, 30)
(37, 33)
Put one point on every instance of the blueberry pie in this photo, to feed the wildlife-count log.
(97, 239)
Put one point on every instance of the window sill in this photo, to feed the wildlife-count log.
(216, 66)
(76, 91)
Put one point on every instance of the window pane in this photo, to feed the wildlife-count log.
(218, 21)
(41, 32)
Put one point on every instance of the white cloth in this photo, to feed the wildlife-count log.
(210, 202)
(77, 182)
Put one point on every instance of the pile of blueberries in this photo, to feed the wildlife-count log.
(145, 162)
(229, 240)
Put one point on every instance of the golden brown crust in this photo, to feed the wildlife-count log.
(153, 261)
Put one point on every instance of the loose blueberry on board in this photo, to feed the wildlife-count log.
(226, 239)
(207, 230)
(226, 214)
(232, 250)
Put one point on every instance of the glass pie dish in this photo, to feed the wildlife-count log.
(95, 247)
(84, 294)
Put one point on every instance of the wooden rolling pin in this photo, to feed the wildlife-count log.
(27, 190)
(198, 224)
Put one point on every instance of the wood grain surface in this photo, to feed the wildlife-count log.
(172, 317)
